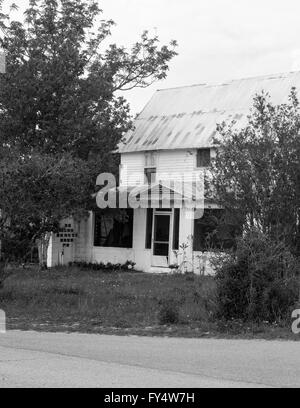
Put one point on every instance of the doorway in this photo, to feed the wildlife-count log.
(161, 238)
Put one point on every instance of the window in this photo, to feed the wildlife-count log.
(150, 167)
(113, 228)
(150, 175)
(150, 159)
(149, 222)
(203, 157)
(214, 231)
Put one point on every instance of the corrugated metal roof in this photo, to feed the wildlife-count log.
(186, 117)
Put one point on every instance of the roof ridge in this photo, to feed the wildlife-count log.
(229, 81)
(196, 111)
(181, 86)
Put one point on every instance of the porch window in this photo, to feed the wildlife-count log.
(214, 231)
(203, 157)
(114, 228)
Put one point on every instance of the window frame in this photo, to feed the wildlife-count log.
(152, 170)
(206, 163)
(97, 240)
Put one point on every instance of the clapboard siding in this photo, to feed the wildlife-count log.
(132, 168)
(169, 163)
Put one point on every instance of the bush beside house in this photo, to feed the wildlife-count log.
(260, 281)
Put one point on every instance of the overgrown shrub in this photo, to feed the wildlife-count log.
(257, 282)
(169, 311)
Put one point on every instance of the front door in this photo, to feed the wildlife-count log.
(161, 239)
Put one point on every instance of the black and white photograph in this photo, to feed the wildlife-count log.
(149, 197)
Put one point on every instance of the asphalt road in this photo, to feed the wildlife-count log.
(35, 359)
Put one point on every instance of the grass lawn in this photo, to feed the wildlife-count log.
(74, 299)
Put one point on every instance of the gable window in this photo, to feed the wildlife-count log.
(214, 231)
(114, 228)
(203, 157)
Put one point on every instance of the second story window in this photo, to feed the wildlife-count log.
(150, 167)
(203, 157)
(150, 175)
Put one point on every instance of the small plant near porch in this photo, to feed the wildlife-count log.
(183, 264)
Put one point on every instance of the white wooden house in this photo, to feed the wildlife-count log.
(173, 135)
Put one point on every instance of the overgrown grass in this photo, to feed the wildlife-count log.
(75, 299)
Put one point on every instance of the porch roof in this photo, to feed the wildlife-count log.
(155, 191)
(159, 194)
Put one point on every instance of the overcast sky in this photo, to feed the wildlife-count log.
(218, 39)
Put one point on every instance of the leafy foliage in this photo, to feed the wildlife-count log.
(59, 92)
(37, 192)
(169, 311)
(256, 173)
(61, 113)
(257, 282)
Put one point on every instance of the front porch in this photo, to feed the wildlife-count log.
(160, 227)
(154, 239)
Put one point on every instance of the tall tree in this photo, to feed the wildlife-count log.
(256, 173)
(38, 191)
(61, 113)
(59, 91)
